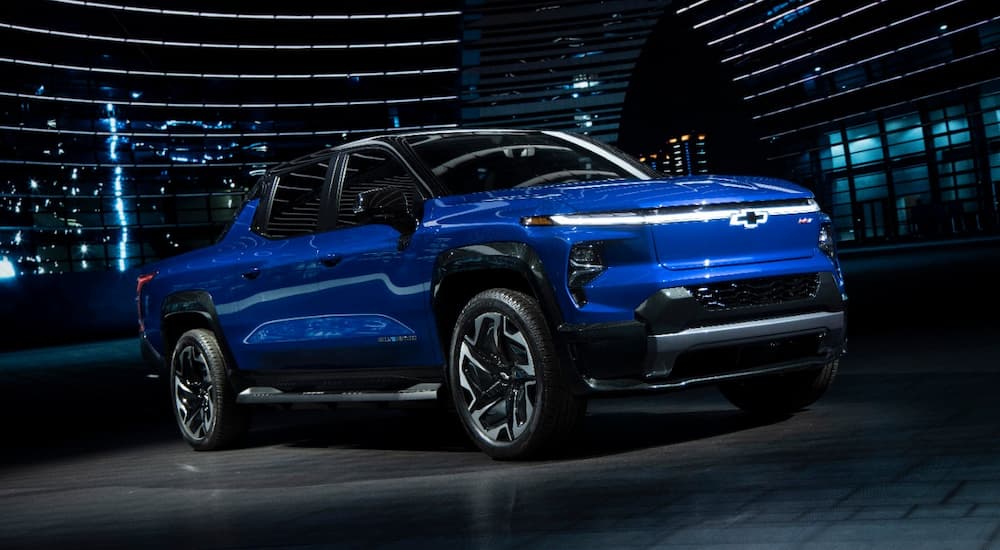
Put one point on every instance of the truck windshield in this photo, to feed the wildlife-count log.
(485, 161)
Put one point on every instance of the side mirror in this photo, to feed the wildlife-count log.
(386, 205)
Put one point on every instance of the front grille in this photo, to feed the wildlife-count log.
(755, 292)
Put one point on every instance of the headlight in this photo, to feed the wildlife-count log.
(585, 264)
(826, 241)
(673, 214)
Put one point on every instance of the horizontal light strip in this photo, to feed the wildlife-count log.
(215, 135)
(762, 23)
(147, 42)
(135, 165)
(220, 164)
(875, 110)
(228, 105)
(81, 196)
(872, 58)
(878, 83)
(727, 14)
(702, 214)
(787, 37)
(692, 6)
(303, 76)
(256, 15)
(844, 41)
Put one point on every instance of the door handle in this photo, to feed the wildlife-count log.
(252, 274)
(330, 260)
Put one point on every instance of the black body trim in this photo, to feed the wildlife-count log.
(510, 256)
(601, 350)
(667, 311)
(192, 303)
(617, 357)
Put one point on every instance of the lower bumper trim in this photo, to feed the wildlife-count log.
(635, 386)
(664, 349)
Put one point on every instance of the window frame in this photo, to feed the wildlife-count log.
(270, 187)
(424, 191)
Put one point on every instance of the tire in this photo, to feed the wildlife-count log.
(509, 392)
(780, 394)
(204, 403)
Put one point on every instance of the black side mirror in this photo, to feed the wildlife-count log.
(386, 205)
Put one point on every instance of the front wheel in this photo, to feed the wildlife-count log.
(781, 393)
(505, 379)
(204, 405)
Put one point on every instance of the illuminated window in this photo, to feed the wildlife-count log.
(904, 135)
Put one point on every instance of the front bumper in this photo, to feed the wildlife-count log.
(675, 342)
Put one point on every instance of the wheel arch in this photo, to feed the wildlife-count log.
(461, 273)
(187, 310)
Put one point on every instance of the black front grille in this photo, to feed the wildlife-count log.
(755, 292)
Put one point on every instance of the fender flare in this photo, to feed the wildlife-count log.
(502, 255)
(187, 304)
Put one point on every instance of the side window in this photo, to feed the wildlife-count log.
(296, 201)
(371, 169)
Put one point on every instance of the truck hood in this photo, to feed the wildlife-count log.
(755, 219)
(610, 196)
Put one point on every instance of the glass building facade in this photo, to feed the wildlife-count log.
(131, 133)
(552, 65)
(889, 110)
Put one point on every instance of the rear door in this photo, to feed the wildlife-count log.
(269, 292)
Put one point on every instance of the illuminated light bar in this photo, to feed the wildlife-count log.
(228, 105)
(886, 53)
(256, 15)
(690, 7)
(840, 42)
(148, 42)
(762, 23)
(880, 82)
(727, 14)
(803, 31)
(652, 217)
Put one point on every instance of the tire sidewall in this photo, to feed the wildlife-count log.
(500, 301)
(203, 341)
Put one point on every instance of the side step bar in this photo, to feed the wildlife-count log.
(262, 395)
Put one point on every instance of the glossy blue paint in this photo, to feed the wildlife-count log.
(357, 296)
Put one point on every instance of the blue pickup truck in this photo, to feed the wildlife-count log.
(512, 274)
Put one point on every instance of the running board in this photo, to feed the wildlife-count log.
(262, 394)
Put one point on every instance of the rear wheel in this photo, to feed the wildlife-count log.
(505, 379)
(204, 404)
(782, 393)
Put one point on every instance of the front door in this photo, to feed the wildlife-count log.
(377, 296)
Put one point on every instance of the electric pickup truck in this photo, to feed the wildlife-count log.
(510, 274)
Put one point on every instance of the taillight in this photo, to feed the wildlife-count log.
(140, 282)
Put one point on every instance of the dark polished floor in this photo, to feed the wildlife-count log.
(904, 452)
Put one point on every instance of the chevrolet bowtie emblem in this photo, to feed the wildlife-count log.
(748, 218)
